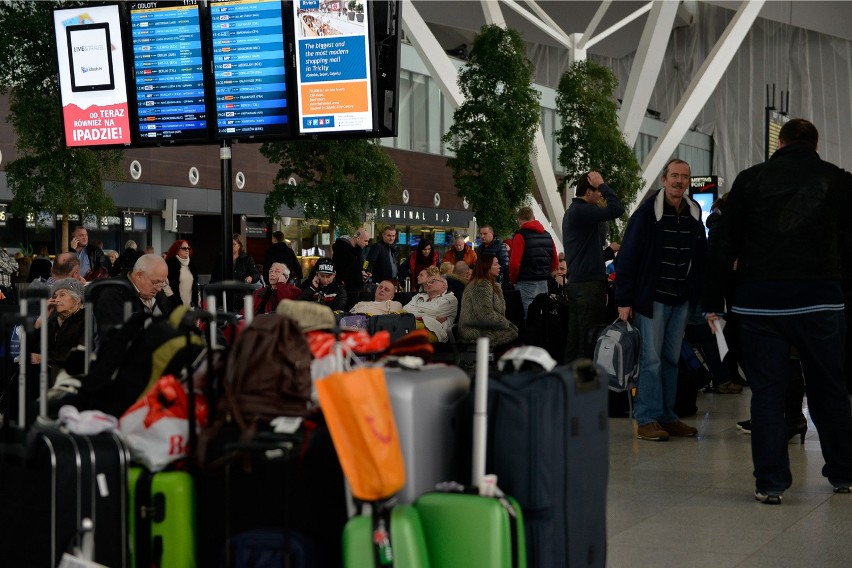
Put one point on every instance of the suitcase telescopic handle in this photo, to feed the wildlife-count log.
(98, 286)
(480, 402)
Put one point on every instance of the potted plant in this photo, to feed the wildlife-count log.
(359, 12)
(351, 6)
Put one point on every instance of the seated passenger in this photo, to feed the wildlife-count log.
(266, 299)
(65, 329)
(383, 304)
(323, 289)
(483, 301)
(424, 275)
(435, 309)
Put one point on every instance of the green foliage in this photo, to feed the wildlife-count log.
(46, 176)
(590, 138)
(493, 130)
(340, 180)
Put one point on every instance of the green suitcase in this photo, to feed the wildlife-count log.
(406, 540)
(162, 519)
(465, 530)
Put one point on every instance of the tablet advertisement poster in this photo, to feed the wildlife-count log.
(91, 76)
(332, 58)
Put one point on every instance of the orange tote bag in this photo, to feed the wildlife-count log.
(358, 412)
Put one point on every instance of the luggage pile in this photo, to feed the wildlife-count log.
(278, 440)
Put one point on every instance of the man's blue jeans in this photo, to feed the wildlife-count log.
(529, 289)
(656, 386)
(820, 338)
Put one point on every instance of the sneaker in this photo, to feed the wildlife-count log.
(745, 426)
(652, 431)
(678, 428)
(768, 498)
(842, 487)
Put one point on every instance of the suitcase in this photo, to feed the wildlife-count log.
(60, 492)
(162, 523)
(429, 409)
(405, 539)
(559, 419)
(464, 530)
(395, 324)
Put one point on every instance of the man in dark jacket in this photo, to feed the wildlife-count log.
(784, 223)
(148, 277)
(93, 262)
(584, 229)
(280, 251)
(348, 255)
(533, 258)
(383, 260)
(488, 243)
(324, 289)
(660, 273)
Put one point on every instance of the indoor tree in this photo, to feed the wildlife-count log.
(339, 180)
(493, 130)
(589, 137)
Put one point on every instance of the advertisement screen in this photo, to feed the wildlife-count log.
(91, 76)
(249, 68)
(333, 66)
(90, 59)
(168, 71)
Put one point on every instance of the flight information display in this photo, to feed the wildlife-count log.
(249, 68)
(169, 72)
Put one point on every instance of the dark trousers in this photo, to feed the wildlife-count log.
(820, 339)
(587, 306)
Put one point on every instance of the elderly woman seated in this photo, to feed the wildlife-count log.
(383, 303)
(65, 329)
(434, 309)
(483, 301)
(266, 299)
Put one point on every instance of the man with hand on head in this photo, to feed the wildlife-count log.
(266, 299)
(584, 231)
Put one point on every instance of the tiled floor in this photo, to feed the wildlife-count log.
(689, 502)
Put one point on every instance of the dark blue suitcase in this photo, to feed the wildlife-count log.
(549, 446)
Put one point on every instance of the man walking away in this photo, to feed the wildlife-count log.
(783, 222)
(584, 231)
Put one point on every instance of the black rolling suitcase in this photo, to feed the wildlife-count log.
(59, 492)
(548, 444)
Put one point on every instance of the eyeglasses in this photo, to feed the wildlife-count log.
(158, 283)
(185, 248)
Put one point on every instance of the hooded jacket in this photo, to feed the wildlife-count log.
(533, 255)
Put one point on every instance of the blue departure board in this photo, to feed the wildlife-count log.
(168, 70)
(249, 68)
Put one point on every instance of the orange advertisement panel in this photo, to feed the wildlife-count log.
(324, 98)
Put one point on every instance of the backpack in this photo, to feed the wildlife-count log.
(617, 355)
(267, 375)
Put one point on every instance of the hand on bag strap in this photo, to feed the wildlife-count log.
(519, 355)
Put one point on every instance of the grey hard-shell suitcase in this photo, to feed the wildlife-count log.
(430, 412)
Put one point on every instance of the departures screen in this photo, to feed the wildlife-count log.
(249, 68)
(169, 72)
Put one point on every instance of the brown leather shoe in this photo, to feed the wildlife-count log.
(678, 428)
(652, 431)
(729, 388)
